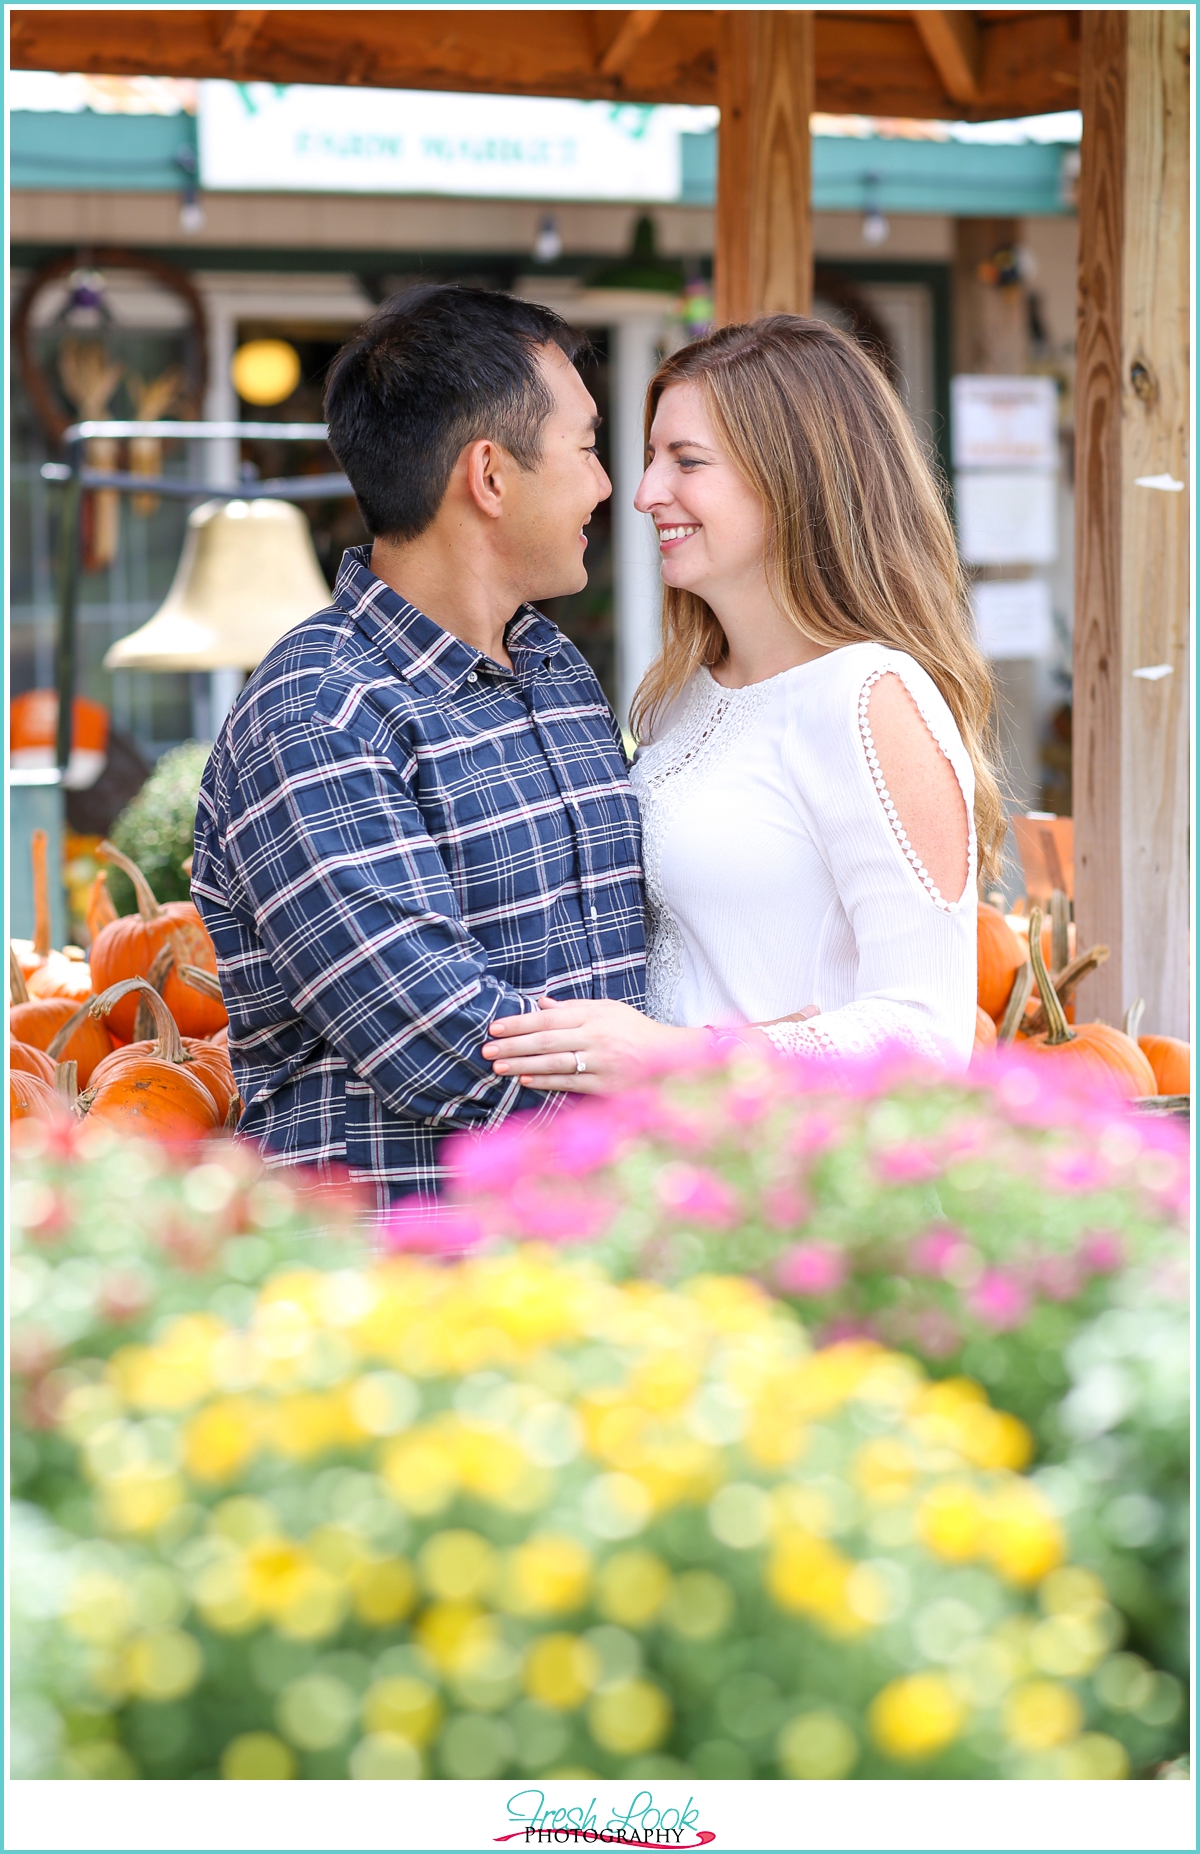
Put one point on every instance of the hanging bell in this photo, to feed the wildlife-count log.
(247, 574)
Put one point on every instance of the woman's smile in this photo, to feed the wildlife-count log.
(671, 537)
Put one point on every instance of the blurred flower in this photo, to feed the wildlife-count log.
(811, 1269)
(999, 1299)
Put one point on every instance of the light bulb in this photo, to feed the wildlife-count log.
(191, 216)
(548, 244)
(875, 227)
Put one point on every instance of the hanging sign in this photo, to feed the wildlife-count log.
(308, 138)
(1004, 422)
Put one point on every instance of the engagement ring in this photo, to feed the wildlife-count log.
(580, 1064)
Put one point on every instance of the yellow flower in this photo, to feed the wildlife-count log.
(457, 1564)
(1042, 1714)
(172, 1374)
(700, 1606)
(420, 1471)
(404, 1706)
(163, 1664)
(99, 1608)
(140, 1498)
(220, 1439)
(953, 1521)
(560, 1671)
(451, 1632)
(257, 1755)
(1022, 1538)
(818, 1746)
(806, 1575)
(916, 1716)
(629, 1717)
(631, 1588)
(383, 1589)
(883, 1469)
(1093, 1758)
(549, 1575)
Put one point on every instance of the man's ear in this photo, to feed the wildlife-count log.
(486, 466)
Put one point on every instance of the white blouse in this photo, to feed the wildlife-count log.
(778, 874)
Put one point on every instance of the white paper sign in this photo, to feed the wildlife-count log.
(1013, 619)
(1006, 518)
(1003, 422)
(324, 139)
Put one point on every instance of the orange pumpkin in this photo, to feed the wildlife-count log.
(1171, 1059)
(30, 1061)
(30, 1098)
(153, 1096)
(49, 974)
(40, 1022)
(1096, 1048)
(128, 947)
(985, 1030)
(1001, 954)
(203, 1059)
(220, 1038)
(61, 977)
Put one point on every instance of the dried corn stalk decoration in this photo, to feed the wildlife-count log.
(89, 378)
(152, 399)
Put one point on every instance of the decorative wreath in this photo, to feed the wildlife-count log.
(188, 402)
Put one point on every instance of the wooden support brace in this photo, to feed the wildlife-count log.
(1131, 749)
(764, 257)
(955, 47)
(633, 29)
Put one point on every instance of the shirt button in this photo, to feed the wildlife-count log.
(472, 677)
(595, 914)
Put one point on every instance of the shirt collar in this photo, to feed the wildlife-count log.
(432, 659)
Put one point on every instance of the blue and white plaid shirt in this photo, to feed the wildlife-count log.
(398, 841)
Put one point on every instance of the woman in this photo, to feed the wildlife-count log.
(814, 778)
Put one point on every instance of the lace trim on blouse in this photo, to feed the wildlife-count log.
(861, 1029)
(885, 797)
(711, 723)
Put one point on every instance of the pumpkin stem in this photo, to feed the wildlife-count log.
(41, 894)
(233, 1112)
(170, 1044)
(1067, 982)
(1060, 944)
(100, 910)
(66, 1083)
(1060, 1031)
(206, 983)
(1014, 1010)
(1133, 1019)
(148, 907)
(17, 988)
(64, 1033)
(145, 1029)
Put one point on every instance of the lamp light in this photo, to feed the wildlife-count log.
(264, 373)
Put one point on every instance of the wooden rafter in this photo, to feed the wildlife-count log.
(865, 62)
(955, 44)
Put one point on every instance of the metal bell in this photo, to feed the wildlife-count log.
(247, 574)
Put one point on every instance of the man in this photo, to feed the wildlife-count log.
(417, 817)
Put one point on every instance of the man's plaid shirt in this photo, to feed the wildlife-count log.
(398, 841)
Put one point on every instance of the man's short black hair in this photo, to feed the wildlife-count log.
(435, 368)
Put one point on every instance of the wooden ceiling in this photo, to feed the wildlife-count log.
(925, 63)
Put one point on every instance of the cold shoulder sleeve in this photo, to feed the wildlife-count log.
(914, 947)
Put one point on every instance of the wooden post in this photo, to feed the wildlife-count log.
(1131, 772)
(764, 257)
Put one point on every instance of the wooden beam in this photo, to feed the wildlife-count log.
(764, 257)
(866, 63)
(1131, 771)
(955, 44)
(633, 29)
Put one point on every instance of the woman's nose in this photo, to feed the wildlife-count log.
(649, 495)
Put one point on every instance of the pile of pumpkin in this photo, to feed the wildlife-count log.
(134, 1034)
(1026, 1000)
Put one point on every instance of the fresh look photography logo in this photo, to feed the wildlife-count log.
(641, 1824)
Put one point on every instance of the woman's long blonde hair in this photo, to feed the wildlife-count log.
(859, 544)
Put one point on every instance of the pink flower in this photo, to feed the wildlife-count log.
(911, 1164)
(584, 1141)
(691, 1191)
(431, 1230)
(1079, 1170)
(1060, 1277)
(935, 1333)
(811, 1268)
(553, 1215)
(999, 1300)
(936, 1252)
(813, 1134)
(491, 1161)
(1102, 1252)
(784, 1207)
